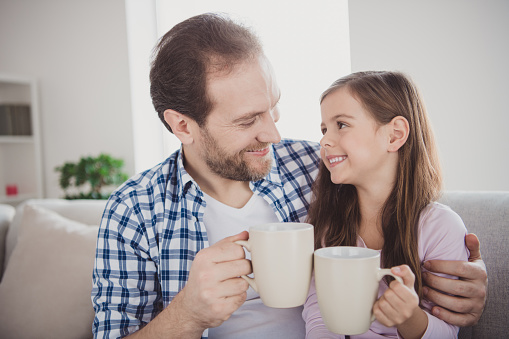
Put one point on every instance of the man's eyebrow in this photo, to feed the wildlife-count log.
(252, 115)
(247, 116)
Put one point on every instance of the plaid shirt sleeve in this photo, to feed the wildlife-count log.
(150, 231)
(125, 291)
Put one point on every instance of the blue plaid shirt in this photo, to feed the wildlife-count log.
(152, 228)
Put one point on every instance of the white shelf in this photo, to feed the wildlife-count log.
(12, 139)
(20, 155)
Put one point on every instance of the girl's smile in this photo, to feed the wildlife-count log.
(335, 160)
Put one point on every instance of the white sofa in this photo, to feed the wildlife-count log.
(47, 248)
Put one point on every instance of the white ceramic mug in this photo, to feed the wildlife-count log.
(282, 259)
(347, 281)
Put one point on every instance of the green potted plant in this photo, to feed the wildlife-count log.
(90, 176)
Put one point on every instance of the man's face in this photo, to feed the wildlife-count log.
(238, 133)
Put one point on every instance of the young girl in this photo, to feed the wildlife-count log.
(377, 187)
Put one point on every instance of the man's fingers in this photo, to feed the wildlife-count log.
(233, 287)
(473, 246)
(244, 235)
(453, 303)
(233, 303)
(463, 288)
(225, 249)
(462, 269)
(458, 319)
(231, 269)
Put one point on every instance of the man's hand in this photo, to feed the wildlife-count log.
(212, 293)
(466, 305)
(214, 289)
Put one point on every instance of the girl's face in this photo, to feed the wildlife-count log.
(354, 145)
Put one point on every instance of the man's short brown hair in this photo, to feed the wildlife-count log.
(188, 53)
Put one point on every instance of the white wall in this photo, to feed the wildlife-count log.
(77, 51)
(148, 131)
(457, 52)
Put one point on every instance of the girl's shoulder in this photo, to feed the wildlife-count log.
(440, 216)
(440, 230)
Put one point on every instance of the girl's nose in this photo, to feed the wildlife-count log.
(325, 141)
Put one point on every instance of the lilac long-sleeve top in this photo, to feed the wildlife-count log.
(441, 237)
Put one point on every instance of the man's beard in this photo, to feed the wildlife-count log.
(233, 166)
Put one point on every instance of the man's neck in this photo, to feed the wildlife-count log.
(232, 193)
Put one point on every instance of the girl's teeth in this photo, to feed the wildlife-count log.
(334, 160)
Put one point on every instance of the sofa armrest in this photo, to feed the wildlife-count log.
(6, 215)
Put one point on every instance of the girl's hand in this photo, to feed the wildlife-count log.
(399, 301)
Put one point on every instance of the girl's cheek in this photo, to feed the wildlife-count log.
(324, 159)
(322, 153)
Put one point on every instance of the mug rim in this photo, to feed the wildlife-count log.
(324, 252)
(285, 227)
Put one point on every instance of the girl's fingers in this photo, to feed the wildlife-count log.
(406, 274)
(384, 312)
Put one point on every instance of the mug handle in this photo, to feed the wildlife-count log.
(249, 280)
(382, 272)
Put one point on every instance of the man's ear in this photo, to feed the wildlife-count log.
(398, 133)
(180, 125)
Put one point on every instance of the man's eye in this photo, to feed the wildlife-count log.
(248, 123)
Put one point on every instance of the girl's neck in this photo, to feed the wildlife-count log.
(371, 202)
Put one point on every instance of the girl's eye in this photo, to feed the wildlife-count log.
(324, 130)
(341, 125)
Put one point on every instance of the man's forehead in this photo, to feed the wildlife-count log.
(249, 84)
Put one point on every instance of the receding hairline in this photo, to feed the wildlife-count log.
(237, 69)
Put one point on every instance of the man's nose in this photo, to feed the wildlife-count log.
(269, 131)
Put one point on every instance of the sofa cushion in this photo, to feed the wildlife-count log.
(85, 211)
(487, 215)
(48, 280)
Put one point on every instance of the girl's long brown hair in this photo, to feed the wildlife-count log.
(335, 211)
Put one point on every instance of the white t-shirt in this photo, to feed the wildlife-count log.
(253, 319)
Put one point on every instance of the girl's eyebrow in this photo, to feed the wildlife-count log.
(342, 115)
(339, 116)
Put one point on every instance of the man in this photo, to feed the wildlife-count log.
(166, 263)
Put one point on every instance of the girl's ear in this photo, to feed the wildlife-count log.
(180, 125)
(398, 132)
